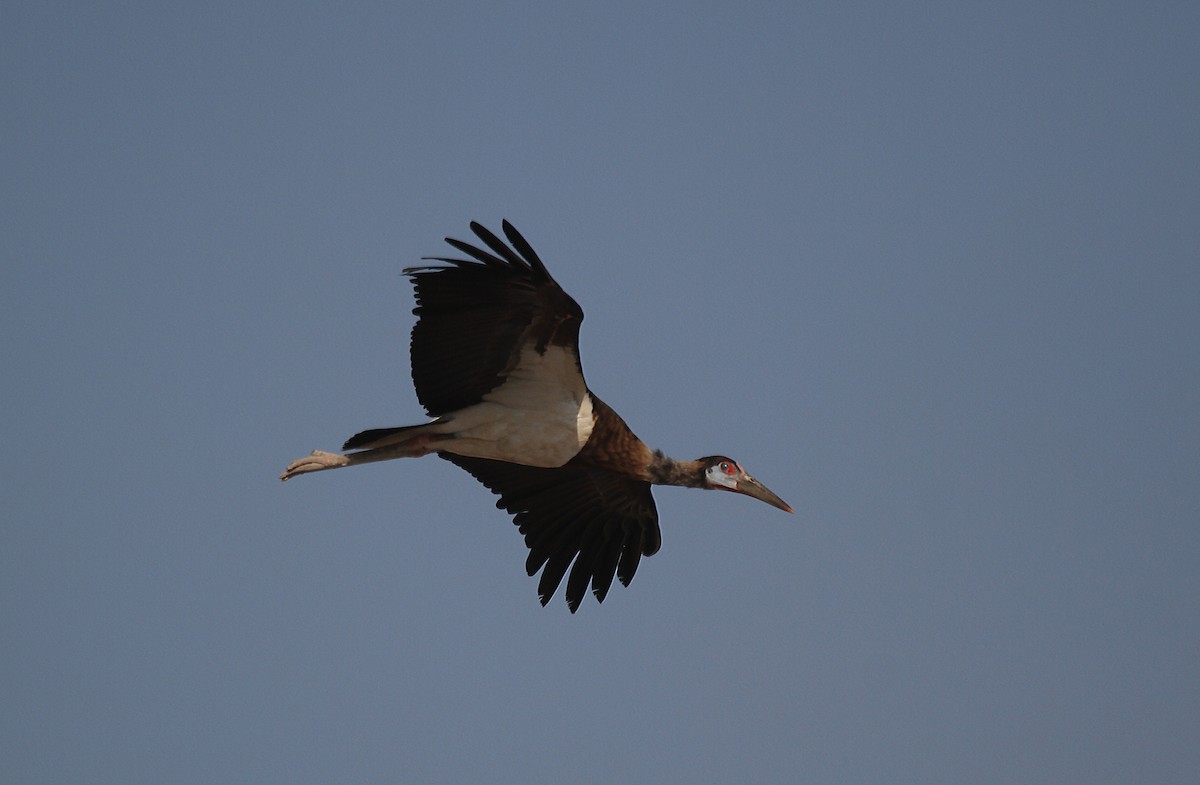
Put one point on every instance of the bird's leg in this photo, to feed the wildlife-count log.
(320, 460)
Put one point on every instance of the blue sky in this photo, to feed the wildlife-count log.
(930, 271)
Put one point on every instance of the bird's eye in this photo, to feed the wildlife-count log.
(728, 468)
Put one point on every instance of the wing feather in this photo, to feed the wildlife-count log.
(600, 521)
(476, 314)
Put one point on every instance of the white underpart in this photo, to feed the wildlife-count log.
(540, 416)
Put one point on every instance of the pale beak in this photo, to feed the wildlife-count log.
(752, 487)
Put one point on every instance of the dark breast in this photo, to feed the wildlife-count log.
(613, 446)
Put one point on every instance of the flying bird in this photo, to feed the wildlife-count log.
(495, 363)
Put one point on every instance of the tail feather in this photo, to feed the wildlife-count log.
(381, 437)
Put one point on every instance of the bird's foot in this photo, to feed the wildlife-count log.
(318, 461)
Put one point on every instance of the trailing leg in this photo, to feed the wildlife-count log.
(415, 446)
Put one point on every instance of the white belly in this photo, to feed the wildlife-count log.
(540, 416)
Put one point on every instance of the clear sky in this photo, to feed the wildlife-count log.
(929, 270)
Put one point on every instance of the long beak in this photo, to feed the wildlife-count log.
(752, 487)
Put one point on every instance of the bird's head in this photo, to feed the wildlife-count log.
(724, 474)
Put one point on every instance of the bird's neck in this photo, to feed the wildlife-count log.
(668, 471)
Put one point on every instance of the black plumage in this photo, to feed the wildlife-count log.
(495, 362)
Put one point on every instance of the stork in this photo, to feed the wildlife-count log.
(495, 363)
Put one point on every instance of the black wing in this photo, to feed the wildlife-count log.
(476, 315)
(599, 520)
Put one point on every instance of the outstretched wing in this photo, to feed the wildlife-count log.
(600, 521)
(476, 315)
